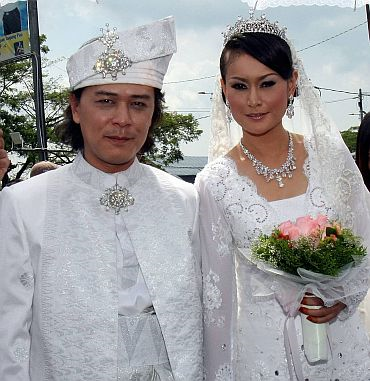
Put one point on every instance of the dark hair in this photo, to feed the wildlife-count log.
(363, 148)
(269, 49)
(12, 182)
(70, 133)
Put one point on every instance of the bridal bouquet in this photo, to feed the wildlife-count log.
(316, 253)
(315, 245)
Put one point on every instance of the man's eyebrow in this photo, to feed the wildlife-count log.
(113, 94)
(141, 96)
(104, 92)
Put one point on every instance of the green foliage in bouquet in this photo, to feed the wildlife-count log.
(323, 251)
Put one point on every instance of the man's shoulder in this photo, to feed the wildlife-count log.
(36, 185)
(164, 178)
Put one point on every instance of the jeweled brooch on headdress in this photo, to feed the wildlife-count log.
(111, 61)
(261, 25)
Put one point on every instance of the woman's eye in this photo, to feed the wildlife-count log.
(268, 83)
(239, 86)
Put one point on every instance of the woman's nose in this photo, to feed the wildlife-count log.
(254, 98)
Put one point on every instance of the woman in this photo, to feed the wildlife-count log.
(272, 176)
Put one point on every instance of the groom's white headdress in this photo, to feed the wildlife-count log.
(139, 55)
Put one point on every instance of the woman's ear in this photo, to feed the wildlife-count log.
(292, 83)
(223, 86)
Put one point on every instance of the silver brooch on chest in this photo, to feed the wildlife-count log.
(117, 198)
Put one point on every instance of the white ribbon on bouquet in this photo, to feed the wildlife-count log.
(289, 291)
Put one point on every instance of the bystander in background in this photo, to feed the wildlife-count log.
(41, 167)
(363, 149)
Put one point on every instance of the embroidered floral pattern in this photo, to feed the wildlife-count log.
(224, 373)
(21, 354)
(212, 299)
(220, 237)
(27, 280)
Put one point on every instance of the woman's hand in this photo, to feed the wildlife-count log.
(320, 315)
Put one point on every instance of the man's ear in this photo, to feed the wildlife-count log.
(74, 103)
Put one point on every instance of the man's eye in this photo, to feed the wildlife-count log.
(105, 101)
(138, 104)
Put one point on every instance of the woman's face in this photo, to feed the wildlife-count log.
(257, 95)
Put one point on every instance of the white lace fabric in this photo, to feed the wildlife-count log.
(263, 4)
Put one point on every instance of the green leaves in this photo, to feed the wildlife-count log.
(173, 129)
(326, 257)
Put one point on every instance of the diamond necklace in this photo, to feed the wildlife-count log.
(286, 170)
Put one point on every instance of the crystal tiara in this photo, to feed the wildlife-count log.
(261, 25)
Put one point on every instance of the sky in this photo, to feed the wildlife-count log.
(333, 43)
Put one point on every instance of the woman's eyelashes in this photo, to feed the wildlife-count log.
(244, 86)
(268, 83)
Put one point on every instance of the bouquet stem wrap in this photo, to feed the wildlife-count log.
(315, 340)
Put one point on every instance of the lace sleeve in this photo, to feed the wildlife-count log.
(217, 269)
(16, 293)
(355, 290)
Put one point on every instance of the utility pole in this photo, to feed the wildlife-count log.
(360, 104)
(37, 78)
(368, 18)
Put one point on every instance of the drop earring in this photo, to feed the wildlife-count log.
(290, 108)
(228, 112)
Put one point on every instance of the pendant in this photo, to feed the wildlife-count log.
(117, 198)
(279, 179)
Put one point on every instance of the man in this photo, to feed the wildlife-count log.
(99, 274)
(41, 167)
(4, 161)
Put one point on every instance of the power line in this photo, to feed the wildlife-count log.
(330, 38)
(190, 80)
(341, 100)
(308, 47)
(340, 91)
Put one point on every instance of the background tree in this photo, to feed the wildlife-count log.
(17, 108)
(17, 114)
(174, 129)
(350, 137)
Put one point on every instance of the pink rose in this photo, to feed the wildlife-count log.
(289, 230)
(285, 226)
(307, 225)
(294, 233)
(322, 221)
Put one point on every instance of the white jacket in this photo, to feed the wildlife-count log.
(58, 277)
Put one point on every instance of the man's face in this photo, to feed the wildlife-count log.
(114, 120)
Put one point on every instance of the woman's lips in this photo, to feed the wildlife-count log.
(256, 116)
